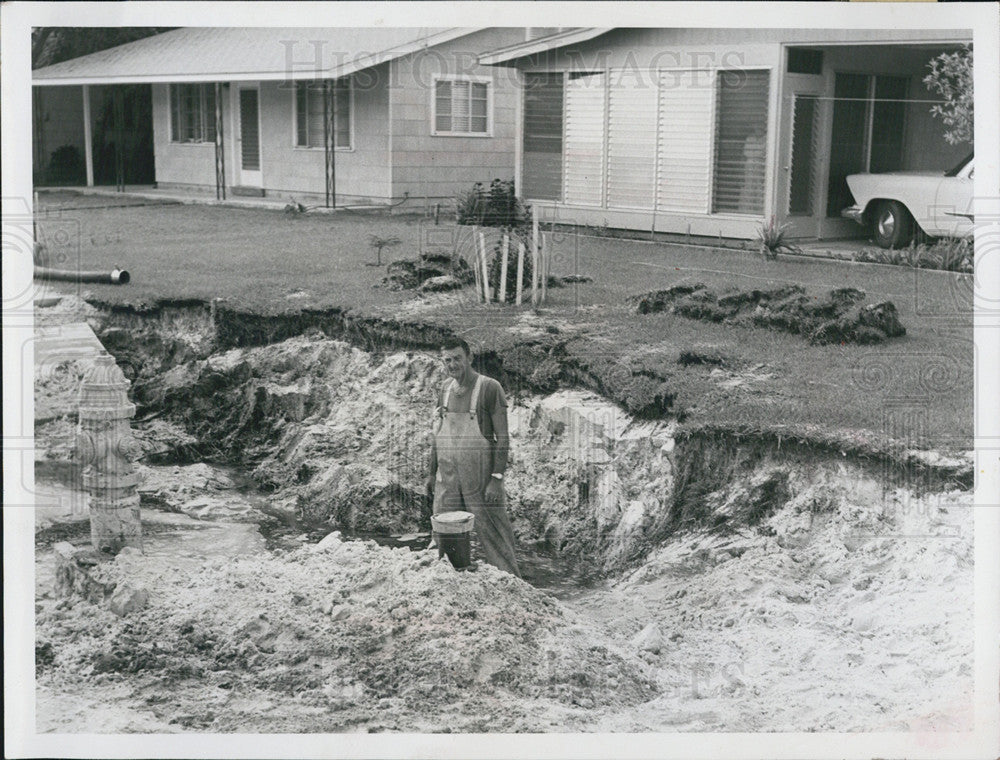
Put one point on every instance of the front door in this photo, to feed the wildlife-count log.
(248, 136)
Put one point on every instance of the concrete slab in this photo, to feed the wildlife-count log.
(61, 343)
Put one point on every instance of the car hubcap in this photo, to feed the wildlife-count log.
(886, 225)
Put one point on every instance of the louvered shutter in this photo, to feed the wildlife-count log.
(478, 108)
(208, 93)
(684, 166)
(460, 111)
(543, 124)
(631, 142)
(442, 107)
(301, 114)
(740, 141)
(583, 169)
(805, 134)
(342, 111)
(175, 112)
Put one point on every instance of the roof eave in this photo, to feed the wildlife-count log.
(541, 45)
(351, 67)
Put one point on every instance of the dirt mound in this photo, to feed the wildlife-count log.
(407, 274)
(349, 628)
(837, 317)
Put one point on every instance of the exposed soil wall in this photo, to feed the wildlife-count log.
(339, 438)
(744, 567)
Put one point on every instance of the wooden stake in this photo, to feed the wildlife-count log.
(545, 268)
(503, 269)
(520, 271)
(482, 261)
(477, 273)
(534, 268)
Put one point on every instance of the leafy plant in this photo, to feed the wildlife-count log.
(951, 78)
(948, 254)
(772, 239)
(378, 243)
(498, 206)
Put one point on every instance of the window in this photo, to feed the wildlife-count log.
(309, 114)
(804, 61)
(740, 142)
(192, 111)
(461, 108)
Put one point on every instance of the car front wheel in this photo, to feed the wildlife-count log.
(892, 225)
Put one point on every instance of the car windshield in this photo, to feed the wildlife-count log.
(953, 172)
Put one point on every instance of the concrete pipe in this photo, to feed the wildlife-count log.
(115, 277)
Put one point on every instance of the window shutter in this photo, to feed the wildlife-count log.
(805, 134)
(541, 175)
(460, 107)
(740, 141)
(209, 96)
(583, 172)
(684, 177)
(342, 98)
(301, 115)
(442, 94)
(631, 142)
(175, 113)
(478, 108)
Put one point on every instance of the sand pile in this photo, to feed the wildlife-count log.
(348, 628)
(846, 610)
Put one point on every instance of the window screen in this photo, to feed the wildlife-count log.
(309, 114)
(740, 141)
(461, 107)
(192, 112)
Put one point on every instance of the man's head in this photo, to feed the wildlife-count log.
(456, 356)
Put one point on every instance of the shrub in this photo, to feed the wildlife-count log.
(948, 254)
(497, 207)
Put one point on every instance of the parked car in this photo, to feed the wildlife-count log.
(893, 205)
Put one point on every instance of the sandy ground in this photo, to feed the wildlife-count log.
(849, 608)
(817, 627)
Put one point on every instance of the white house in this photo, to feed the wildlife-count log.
(711, 131)
(341, 115)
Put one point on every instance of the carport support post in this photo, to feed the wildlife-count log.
(88, 146)
(118, 105)
(220, 148)
(330, 141)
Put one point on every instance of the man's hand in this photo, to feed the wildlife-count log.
(494, 491)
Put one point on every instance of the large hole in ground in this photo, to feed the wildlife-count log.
(706, 575)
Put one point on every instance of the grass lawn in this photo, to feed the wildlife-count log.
(271, 262)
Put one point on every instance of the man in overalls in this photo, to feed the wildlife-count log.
(469, 453)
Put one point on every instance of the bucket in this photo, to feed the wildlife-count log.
(453, 536)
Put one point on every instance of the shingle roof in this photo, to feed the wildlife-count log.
(212, 54)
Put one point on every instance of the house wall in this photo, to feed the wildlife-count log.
(184, 165)
(362, 171)
(669, 141)
(435, 168)
(637, 51)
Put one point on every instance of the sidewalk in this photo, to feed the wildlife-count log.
(153, 194)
